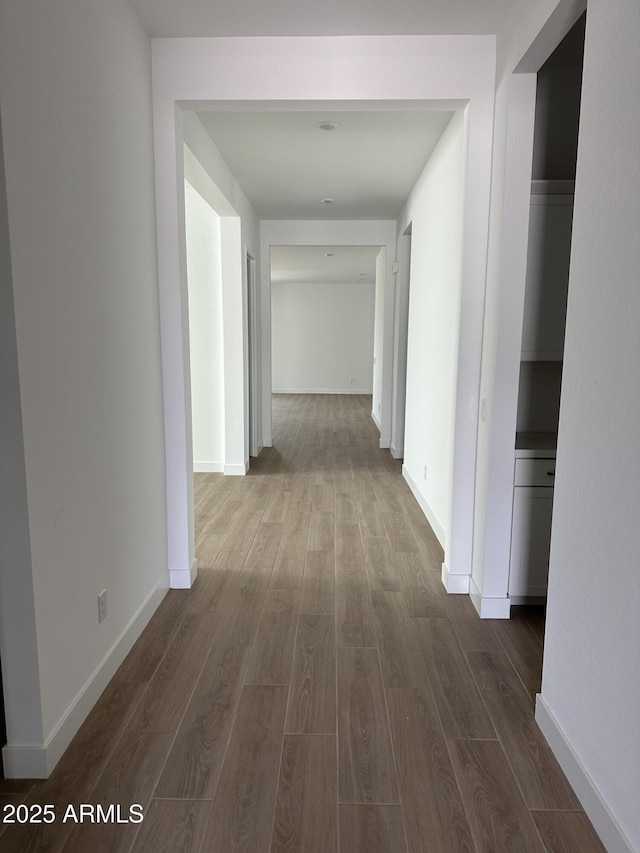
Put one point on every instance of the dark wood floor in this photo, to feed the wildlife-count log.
(316, 690)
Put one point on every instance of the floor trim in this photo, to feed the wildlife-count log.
(454, 584)
(610, 832)
(22, 761)
(208, 467)
(183, 578)
(396, 452)
(236, 470)
(359, 391)
(489, 608)
(424, 506)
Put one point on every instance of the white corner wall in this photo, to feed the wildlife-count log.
(435, 210)
(322, 337)
(591, 677)
(591, 683)
(75, 89)
(206, 350)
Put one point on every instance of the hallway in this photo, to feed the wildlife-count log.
(316, 690)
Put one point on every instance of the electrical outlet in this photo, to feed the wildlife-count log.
(425, 472)
(352, 381)
(102, 606)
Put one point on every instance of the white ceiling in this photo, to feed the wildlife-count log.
(310, 264)
(285, 164)
(311, 17)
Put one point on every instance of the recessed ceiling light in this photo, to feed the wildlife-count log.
(327, 200)
(327, 125)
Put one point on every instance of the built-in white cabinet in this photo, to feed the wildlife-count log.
(531, 528)
(547, 281)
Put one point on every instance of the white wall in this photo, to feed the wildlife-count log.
(591, 686)
(75, 88)
(206, 351)
(591, 678)
(435, 209)
(322, 337)
(381, 297)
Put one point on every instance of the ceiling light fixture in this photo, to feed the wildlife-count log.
(327, 125)
(327, 200)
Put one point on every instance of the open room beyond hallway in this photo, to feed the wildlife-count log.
(317, 689)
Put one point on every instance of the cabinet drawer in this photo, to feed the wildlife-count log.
(535, 472)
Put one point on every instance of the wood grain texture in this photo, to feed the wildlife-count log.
(423, 593)
(194, 763)
(403, 661)
(289, 565)
(171, 825)
(77, 773)
(312, 695)
(318, 584)
(472, 632)
(498, 817)
(321, 532)
(128, 779)
(143, 659)
(168, 693)
(372, 829)
(275, 635)
(459, 704)
(242, 814)
(378, 557)
(567, 832)
(264, 547)
(350, 568)
(523, 649)
(434, 815)
(190, 666)
(366, 771)
(306, 817)
(541, 780)
(354, 617)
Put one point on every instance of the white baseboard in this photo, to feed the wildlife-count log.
(384, 443)
(236, 470)
(396, 452)
(454, 584)
(267, 441)
(208, 467)
(366, 391)
(184, 578)
(37, 761)
(489, 608)
(424, 506)
(376, 421)
(611, 833)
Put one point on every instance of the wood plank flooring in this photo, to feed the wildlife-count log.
(316, 691)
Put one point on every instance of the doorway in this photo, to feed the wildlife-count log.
(555, 145)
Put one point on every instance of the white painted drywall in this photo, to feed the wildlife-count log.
(206, 351)
(591, 677)
(382, 286)
(75, 84)
(322, 337)
(591, 690)
(18, 646)
(435, 209)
